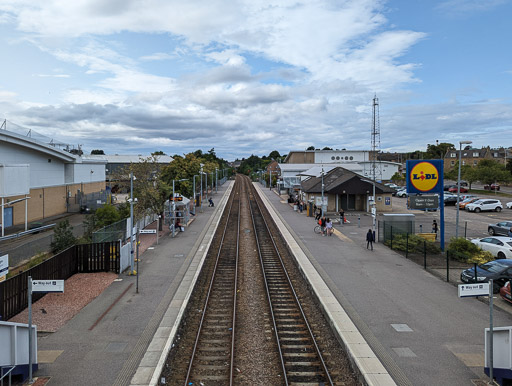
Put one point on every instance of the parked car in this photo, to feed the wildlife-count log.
(509, 205)
(498, 270)
(505, 292)
(392, 185)
(492, 187)
(450, 199)
(499, 246)
(484, 204)
(402, 193)
(466, 201)
(453, 189)
(447, 187)
(500, 228)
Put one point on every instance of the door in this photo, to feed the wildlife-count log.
(8, 217)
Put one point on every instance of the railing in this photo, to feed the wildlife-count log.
(2, 375)
(35, 230)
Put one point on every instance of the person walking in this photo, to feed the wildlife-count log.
(210, 201)
(328, 226)
(434, 228)
(510, 232)
(342, 216)
(369, 239)
(318, 214)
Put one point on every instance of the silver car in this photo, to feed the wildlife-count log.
(501, 228)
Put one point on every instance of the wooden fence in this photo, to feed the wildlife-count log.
(100, 257)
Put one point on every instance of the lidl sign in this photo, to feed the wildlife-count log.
(424, 176)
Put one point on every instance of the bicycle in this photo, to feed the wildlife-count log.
(318, 229)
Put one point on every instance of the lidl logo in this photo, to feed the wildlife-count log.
(424, 176)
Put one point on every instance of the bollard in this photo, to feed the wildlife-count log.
(448, 266)
(421, 228)
(465, 228)
(359, 221)
(424, 254)
(406, 244)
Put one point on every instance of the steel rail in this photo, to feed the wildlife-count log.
(212, 280)
(297, 302)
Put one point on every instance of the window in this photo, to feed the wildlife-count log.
(496, 155)
(452, 163)
(463, 162)
(465, 154)
(453, 155)
(475, 162)
(475, 154)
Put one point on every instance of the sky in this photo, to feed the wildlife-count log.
(248, 77)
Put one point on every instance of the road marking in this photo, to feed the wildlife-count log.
(110, 307)
(48, 356)
(401, 327)
(341, 236)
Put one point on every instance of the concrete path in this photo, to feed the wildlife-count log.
(415, 323)
(105, 342)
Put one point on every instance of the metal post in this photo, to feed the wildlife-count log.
(323, 192)
(157, 228)
(424, 254)
(391, 237)
(3, 218)
(30, 380)
(212, 183)
(173, 211)
(448, 266)
(491, 331)
(406, 244)
(26, 213)
(270, 179)
(131, 222)
(194, 192)
(458, 188)
(465, 228)
(137, 281)
(216, 180)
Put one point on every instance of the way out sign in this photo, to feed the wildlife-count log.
(477, 289)
(47, 285)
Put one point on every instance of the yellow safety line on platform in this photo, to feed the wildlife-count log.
(341, 236)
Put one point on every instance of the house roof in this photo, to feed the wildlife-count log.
(339, 180)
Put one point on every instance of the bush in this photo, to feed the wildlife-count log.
(62, 237)
(465, 250)
(413, 244)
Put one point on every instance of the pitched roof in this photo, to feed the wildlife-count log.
(339, 179)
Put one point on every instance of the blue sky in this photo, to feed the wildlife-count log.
(248, 77)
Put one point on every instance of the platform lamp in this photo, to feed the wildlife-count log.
(194, 191)
(132, 201)
(458, 186)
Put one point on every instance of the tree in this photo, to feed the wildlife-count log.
(438, 151)
(397, 177)
(159, 152)
(469, 174)
(98, 152)
(63, 237)
(489, 171)
(106, 215)
(311, 148)
(327, 148)
(274, 155)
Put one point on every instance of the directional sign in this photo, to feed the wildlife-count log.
(147, 231)
(47, 285)
(477, 289)
(4, 265)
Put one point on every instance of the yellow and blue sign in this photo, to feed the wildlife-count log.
(424, 176)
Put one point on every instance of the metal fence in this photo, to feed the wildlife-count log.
(101, 257)
(427, 254)
(112, 232)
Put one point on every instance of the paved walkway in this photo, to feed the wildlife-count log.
(415, 323)
(105, 342)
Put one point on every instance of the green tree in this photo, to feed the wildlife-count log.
(98, 152)
(274, 155)
(327, 148)
(311, 148)
(159, 152)
(397, 177)
(438, 151)
(469, 174)
(106, 215)
(63, 237)
(489, 171)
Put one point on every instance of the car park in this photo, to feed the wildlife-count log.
(450, 199)
(484, 204)
(453, 189)
(499, 246)
(501, 228)
(505, 292)
(498, 270)
(492, 187)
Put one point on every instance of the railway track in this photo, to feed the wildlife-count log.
(215, 339)
(301, 359)
(253, 326)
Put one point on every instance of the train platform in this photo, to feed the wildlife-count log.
(115, 339)
(414, 323)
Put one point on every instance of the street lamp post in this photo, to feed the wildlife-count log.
(201, 189)
(194, 192)
(458, 186)
(132, 257)
(270, 179)
(323, 186)
(216, 180)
